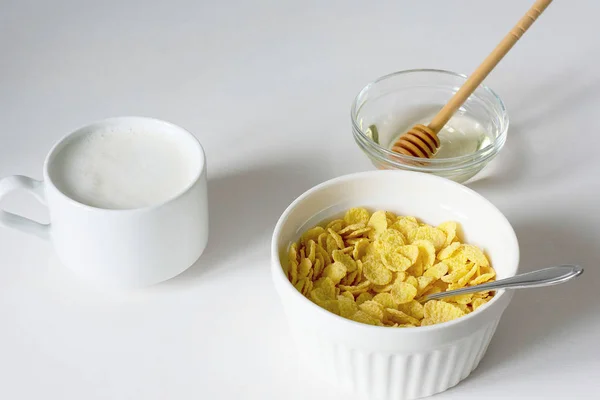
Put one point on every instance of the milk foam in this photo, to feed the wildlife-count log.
(124, 169)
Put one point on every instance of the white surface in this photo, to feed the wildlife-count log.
(267, 87)
(378, 362)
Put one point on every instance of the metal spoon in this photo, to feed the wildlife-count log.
(542, 277)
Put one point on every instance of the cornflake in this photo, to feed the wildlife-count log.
(375, 268)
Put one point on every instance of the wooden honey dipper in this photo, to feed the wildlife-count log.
(422, 141)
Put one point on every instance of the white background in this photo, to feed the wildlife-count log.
(267, 86)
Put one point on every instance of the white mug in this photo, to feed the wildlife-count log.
(120, 247)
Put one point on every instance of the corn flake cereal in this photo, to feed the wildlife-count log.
(376, 272)
(438, 311)
(376, 269)
(362, 297)
(385, 299)
(449, 228)
(335, 271)
(357, 215)
(447, 251)
(378, 222)
(403, 292)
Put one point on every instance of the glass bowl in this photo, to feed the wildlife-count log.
(396, 102)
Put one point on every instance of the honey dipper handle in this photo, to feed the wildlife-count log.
(444, 115)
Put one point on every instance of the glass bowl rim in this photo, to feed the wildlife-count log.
(494, 145)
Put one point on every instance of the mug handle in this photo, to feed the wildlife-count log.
(16, 182)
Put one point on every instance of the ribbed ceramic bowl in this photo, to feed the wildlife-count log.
(383, 362)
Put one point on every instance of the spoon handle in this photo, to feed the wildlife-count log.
(542, 277)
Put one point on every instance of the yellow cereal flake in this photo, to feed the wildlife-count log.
(378, 268)
(426, 253)
(376, 272)
(349, 278)
(361, 298)
(467, 277)
(412, 308)
(304, 268)
(385, 299)
(308, 287)
(359, 248)
(441, 284)
(399, 317)
(424, 283)
(456, 274)
(378, 222)
(437, 271)
(412, 281)
(448, 251)
(318, 267)
(441, 311)
(331, 306)
(478, 303)
(482, 295)
(458, 261)
(405, 225)
(336, 225)
(338, 239)
(358, 233)
(426, 232)
(346, 305)
(312, 250)
(335, 271)
(417, 269)
(362, 287)
(373, 308)
(483, 278)
(460, 298)
(403, 292)
(293, 252)
(359, 269)
(293, 272)
(312, 234)
(351, 228)
(324, 289)
(347, 250)
(331, 244)
(361, 316)
(430, 290)
(409, 251)
(474, 254)
(347, 294)
(390, 216)
(391, 239)
(395, 262)
(352, 241)
(357, 216)
(300, 284)
(322, 240)
(449, 228)
(396, 277)
(465, 308)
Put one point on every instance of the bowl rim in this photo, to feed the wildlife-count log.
(278, 273)
(495, 144)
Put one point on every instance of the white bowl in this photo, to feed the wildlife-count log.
(383, 362)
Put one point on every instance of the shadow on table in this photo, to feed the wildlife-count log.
(244, 207)
(542, 318)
